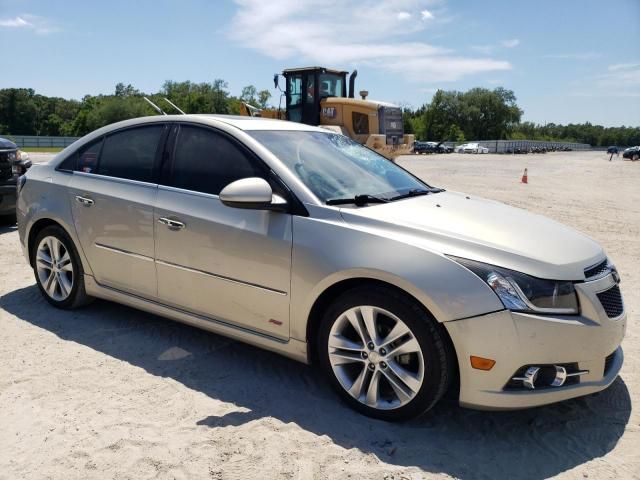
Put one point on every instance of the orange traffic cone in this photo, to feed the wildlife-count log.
(525, 178)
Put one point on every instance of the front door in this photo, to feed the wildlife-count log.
(229, 264)
(112, 193)
(303, 102)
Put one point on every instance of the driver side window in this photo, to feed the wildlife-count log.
(206, 161)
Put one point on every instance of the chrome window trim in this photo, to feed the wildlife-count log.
(188, 192)
(222, 277)
(113, 179)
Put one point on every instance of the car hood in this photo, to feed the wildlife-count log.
(484, 230)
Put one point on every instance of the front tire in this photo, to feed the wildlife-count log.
(58, 269)
(384, 354)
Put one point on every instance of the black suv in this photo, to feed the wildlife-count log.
(12, 165)
(632, 153)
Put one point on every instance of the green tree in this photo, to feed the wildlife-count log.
(263, 98)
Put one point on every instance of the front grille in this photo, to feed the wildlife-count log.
(608, 362)
(5, 171)
(597, 270)
(611, 301)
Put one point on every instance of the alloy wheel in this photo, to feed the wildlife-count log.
(54, 268)
(376, 357)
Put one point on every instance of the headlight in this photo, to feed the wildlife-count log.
(523, 293)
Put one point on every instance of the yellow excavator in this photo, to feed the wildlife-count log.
(319, 96)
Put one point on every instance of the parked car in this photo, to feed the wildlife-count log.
(304, 242)
(442, 148)
(471, 148)
(13, 163)
(632, 153)
(425, 147)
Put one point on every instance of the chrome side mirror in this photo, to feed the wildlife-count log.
(252, 193)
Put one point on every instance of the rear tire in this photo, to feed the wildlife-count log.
(388, 377)
(635, 157)
(58, 269)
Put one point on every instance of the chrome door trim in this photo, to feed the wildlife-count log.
(221, 277)
(123, 252)
(196, 315)
(188, 192)
(115, 179)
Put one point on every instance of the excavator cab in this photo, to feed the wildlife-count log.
(306, 87)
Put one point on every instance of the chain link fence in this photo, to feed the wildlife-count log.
(26, 141)
(509, 146)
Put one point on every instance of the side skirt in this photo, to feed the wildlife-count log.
(294, 349)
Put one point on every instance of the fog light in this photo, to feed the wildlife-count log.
(529, 377)
(543, 376)
(480, 363)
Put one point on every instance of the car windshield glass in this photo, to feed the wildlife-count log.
(334, 167)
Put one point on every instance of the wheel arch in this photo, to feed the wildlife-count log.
(36, 228)
(336, 289)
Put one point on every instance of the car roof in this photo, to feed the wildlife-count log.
(257, 123)
(237, 121)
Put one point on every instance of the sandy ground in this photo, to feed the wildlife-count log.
(110, 392)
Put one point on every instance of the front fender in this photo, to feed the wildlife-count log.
(328, 251)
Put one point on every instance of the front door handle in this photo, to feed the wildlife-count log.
(87, 202)
(172, 224)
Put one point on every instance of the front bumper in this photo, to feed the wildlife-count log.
(8, 197)
(515, 340)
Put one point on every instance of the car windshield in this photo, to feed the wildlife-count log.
(335, 167)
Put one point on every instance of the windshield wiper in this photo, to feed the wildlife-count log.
(358, 200)
(416, 193)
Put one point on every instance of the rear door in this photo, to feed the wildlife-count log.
(226, 263)
(112, 193)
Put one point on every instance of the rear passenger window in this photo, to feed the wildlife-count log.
(84, 160)
(88, 158)
(130, 153)
(206, 161)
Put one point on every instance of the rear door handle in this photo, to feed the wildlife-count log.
(87, 202)
(172, 224)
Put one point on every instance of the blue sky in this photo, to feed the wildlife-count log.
(566, 60)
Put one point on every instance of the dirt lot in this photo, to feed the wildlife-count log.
(110, 392)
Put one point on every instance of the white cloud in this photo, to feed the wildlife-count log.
(34, 23)
(426, 15)
(17, 22)
(366, 32)
(514, 42)
(621, 76)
